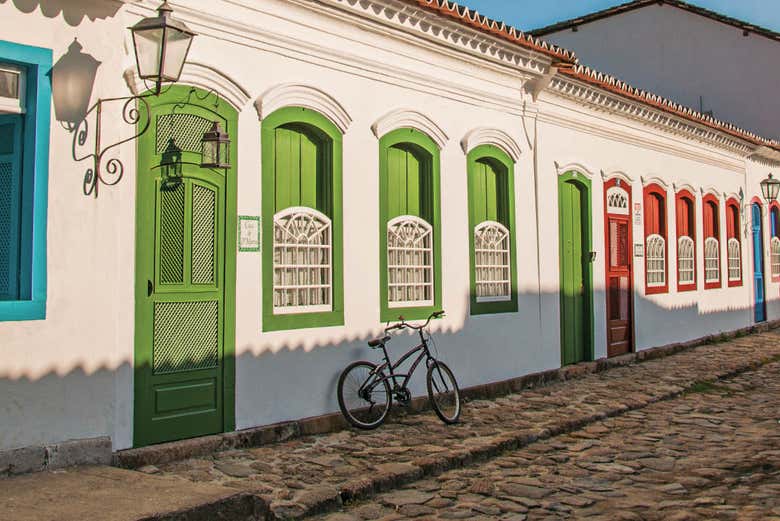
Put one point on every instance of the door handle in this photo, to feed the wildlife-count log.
(149, 288)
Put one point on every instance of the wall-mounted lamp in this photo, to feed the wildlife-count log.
(161, 44)
(769, 188)
(215, 148)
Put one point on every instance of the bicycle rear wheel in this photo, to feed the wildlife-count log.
(443, 392)
(364, 395)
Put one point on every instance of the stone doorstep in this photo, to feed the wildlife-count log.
(333, 422)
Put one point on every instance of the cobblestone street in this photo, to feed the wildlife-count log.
(713, 453)
(702, 449)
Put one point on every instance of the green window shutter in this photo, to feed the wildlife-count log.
(10, 205)
(299, 175)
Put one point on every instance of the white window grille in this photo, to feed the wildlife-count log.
(686, 261)
(711, 260)
(735, 259)
(774, 245)
(303, 271)
(492, 262)
(617, 200)
(655, 256)
(409, 262)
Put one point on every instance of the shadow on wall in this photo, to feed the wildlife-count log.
(296, 381)
(73, 11)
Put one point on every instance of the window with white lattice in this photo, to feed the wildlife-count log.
(711, 260)
(686, 260)
(655, 256)
(774, 245)
(617, 200)
(734, 260)
(302, 261)
(492, 262)
(409, 262)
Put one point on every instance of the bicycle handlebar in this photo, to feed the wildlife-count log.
(403, 324)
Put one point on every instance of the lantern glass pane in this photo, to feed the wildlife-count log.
(773, 190)
(148, 49)
(177, 44)
(209, 153)
(9, 84)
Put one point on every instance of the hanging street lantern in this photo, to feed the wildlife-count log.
(215, 148)
(769, 188)
(161, 46)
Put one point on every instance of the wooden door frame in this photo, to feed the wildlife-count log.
(607, 185)
(584, 182)
(141, 260)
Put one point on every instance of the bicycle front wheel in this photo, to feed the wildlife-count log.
(364, 395)
(443, 392)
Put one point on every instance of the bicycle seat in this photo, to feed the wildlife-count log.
(378, 341)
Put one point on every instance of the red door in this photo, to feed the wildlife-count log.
(620, 291)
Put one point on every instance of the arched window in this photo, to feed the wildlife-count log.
(774, 242)
(302, 262)
(711, 242)
(655, 239)
(733, 244)
(617, 200)
(686, 241)
(491, 219)
(410, 257)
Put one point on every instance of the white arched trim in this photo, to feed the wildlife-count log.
(606, 175)
(653, 179)
(730, 195)
(296, 95)
(198, 75)
(403, 118)
(684, 185)
(581, 168)
(710, 190)
(490, 136)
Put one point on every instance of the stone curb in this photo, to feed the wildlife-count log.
(284, 431)
(239, 507)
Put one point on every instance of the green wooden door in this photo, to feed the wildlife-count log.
(575, 292)
(181, 376)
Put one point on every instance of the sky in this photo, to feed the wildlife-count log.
(533, 14)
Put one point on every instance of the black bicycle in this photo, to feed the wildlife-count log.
(365, 392)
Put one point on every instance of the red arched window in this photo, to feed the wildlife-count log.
(711, 242)
(734, 243)
(655, 240)
(685, 211)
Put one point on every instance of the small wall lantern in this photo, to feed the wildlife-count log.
(215, 148)
(161, 46)
(769, 188)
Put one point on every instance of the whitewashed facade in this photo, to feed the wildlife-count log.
(369, 68)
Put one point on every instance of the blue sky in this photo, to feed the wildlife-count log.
(532, 14)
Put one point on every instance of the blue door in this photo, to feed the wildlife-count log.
(759, 306)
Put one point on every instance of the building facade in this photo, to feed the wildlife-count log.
(387, 157)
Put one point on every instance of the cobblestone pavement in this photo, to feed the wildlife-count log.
(314, 474)
(713, 453)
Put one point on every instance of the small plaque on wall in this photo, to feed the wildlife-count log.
(639, 250)
(248, 233)
(637, 215)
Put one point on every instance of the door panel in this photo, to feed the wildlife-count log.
(181, 376)
(759, 304)
(575, 288)
(619, 286)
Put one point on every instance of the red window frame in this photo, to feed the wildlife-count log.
(774, 231)
(656, 224)
(711, 228)
(686, 220)
(732, 232)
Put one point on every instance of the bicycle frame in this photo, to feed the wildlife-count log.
(424, 353)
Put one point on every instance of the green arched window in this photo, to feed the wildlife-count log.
(302, 239)
(409, 225)
(491, 231)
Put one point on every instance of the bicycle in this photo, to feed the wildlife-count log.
(364, 390)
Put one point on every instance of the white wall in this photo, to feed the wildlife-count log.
(70, 376)
(681, 55)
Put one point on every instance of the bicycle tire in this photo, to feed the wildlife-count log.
(440, 377)
(353, 413)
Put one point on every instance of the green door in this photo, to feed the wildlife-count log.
(575, 292)
(184, 279)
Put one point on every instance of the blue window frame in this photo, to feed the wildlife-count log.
(24, 173)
